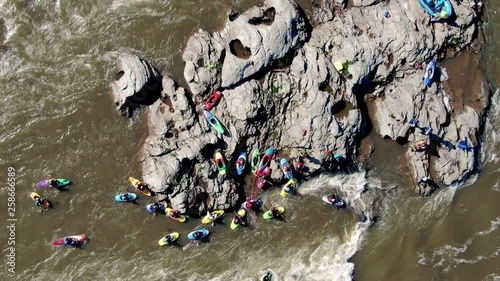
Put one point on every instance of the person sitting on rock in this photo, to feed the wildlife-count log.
(427, 130)
(424, 180)
(419, 146)
(327, 161)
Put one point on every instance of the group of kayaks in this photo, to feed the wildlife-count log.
(45, 204)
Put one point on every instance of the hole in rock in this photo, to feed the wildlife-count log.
(237, 49)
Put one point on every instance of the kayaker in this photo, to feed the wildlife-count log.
(240, 163)
(237, 220)
(38, 201)
(332, 199)
(53, 182)
(175, 214)
(267, 277)
(70, 241)
(125, 197)
(141, 186)
(169, 239)
(275, 213)
(419, 146)
(197, 235)
(299, 165)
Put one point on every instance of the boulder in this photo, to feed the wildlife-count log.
(136, 83)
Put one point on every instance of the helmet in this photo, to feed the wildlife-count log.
(444, 15)
(337, 156)
(287, 189)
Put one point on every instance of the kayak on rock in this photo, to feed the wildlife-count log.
(241, 163)
(429, 73)
(221, 163)
(212, 100)
(287, 169)
(254, 161)
(214, 122)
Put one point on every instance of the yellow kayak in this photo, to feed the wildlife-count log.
(173, 238)
(289, 188)
(46, 203)
(213, 216)
(135, 182)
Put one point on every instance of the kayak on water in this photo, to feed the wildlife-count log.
(169, 239)
(175, 215)
(287, 169)
(71, 241)
(40, 201)
(199, 234)
(334, 200)
(239, 219)
(252, 205)
(241, 163)
(212, 216)
(221, 163)
(126, 197)
(267, 277)
(139, 185)
(212, 100)
(156, 207)
(254, 160)
(60, 183)
(290, 188)
(278, 210)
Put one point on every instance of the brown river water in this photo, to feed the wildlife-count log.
(58, 120)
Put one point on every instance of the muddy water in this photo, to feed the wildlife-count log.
(58, 120)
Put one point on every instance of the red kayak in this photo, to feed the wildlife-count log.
(261, 183)
(75, 240)
(212, 100)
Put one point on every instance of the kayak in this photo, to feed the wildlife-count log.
(241, 158)
(267, 277)
(221, 164)
(174, 235)
(80, 239)
(254, 160)
(214, 122)
(241, 216)
(204, 234)
(429, 73)
(334, 200)
(266, 159)
(135, 182)
(267, 215)
(289, 188)
(182, 218)
(212, 100)
(162, 206)
(45, 203)
(441, 8)
(61, 183)
(261, 182)
(213, 216)
(287, 169)
(132, 197)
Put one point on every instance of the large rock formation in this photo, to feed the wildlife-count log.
(310, 97)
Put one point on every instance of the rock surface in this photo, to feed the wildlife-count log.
(357, 68)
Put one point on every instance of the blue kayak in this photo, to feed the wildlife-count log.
(132, 197)
(441, 8)
(241, 163)
(156, 207)
(429, 73)
(287, 169)
(199, 234)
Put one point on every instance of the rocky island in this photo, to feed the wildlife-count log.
(305, 82)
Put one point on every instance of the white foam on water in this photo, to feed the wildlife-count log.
(449, 256)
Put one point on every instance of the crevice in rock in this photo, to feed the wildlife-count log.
(267, 17)
(239, 50)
